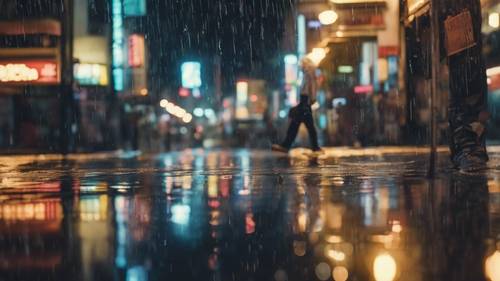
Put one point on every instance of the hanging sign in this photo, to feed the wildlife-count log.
(459, 33)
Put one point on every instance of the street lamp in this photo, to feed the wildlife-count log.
(494, 20)
(317, 55)
(328, 17)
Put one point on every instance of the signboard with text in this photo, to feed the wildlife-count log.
(134, 7)
(29, 72)
(136, 52)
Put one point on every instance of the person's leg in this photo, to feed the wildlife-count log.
(293, 129)
(468, 100)
(313, 135)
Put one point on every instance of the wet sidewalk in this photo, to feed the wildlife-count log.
(351, 214)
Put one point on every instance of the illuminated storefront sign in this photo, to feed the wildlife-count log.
(136, 50)
(29, 72)
(346, 69)
(134, 8)
(191, 75)
(241, 99)
(117, 45)
(291, 69)
(363, 89)
(91, 74)
(46, 210)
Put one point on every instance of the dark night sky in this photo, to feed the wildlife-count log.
(245, 34)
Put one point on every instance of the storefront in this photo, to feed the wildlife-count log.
(364, 100)
(30, 79)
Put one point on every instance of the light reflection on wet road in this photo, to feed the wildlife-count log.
(247, 215)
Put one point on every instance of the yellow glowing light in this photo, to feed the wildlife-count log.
(163, 103)
(340, 273)
(492, 266)
(494, 20)
(186, 182)
(328, 17)
(493, 71)
(384, 268)
(414, 5)
(336, 255)
(170, 107)
(302, 221)
(317, 55)
(242, 92)
(333, 239)
(212, 191)
(187, 118)
(397, 228)
(17, 73)
(144, 92)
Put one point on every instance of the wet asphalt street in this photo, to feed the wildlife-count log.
(248, 215)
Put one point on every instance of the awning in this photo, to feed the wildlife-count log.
(44, 26)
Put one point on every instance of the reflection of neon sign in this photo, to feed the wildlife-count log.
(49, 210)
(241, 99)
(35, 72)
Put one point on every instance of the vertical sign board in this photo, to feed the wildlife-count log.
(136, 52)
(117, 45)
(191, 75)
(241, 100)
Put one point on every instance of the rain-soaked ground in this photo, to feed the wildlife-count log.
(247, 215)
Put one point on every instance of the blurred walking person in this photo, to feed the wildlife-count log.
(302, 113)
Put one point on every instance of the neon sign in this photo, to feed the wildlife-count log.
(117, 44)
(29, 72)
(191, 75)
(135, 50)
(91, 74)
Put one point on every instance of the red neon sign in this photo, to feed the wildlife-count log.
(363, 89)
(29, 72)
(136, 50)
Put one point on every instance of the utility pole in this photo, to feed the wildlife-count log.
(67, 109)
(435, 65)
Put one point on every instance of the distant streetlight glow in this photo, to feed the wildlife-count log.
(494, 20)
(187, 118)
(492, 266)
(340, 273)
(328, 17)
(384, 268)
(493, 71)
(198, 112)
(317, 55)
